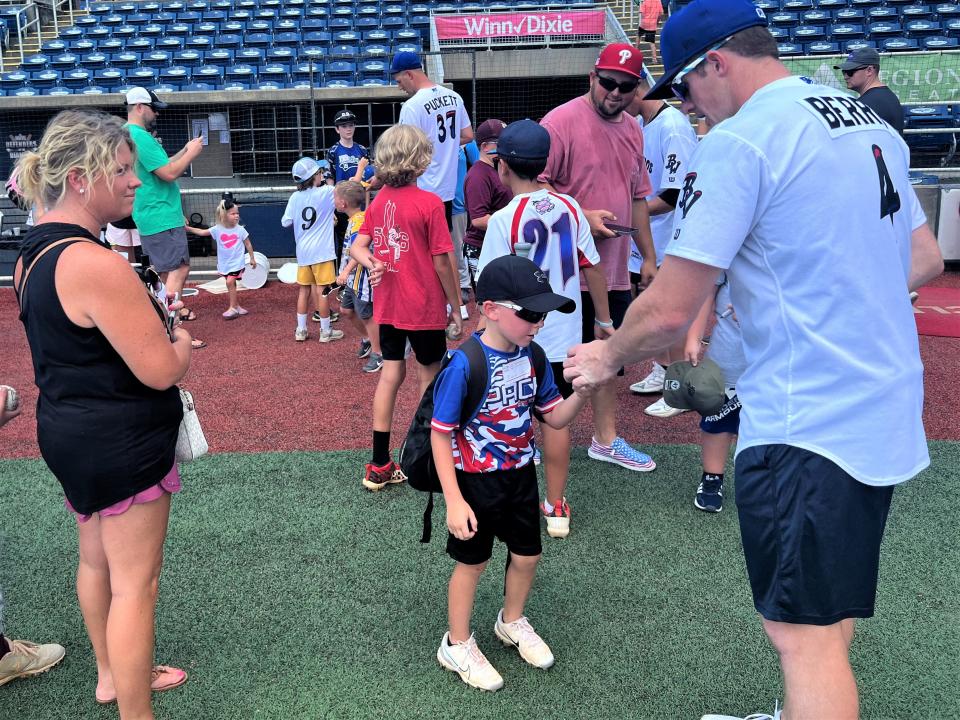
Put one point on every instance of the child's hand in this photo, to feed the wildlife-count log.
(691, 350)
(454, 318)
(461, 522)
(342, 278)
(362, 165)
(253, 262)
(376, 273)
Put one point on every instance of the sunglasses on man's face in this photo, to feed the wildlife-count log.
(530, 316)
(609, 84)
(851, 73)
(679, 86)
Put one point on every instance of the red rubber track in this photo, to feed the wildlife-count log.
(258, 390)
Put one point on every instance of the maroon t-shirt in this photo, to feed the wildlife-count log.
(483, 194)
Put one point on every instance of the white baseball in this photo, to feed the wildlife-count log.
(13, 399)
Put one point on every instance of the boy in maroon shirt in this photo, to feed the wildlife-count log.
(405, 244)
(483, 192)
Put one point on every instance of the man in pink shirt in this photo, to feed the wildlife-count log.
(596, 155)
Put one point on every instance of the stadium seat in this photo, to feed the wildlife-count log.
(377, 36)
(139, 18)
(809, 33)
(251, 56)
(393, 23)
(790, 48)
(71, 33)
(850, 15)
(342, 23)
(796, 5)
(219, 56)
(212, 74)
(779, 34)
(76, 78)
(189, 18)
(365, 25)
(87, 22)
(53, 47)
(341, 69)
(317, 38)
(287, 25)
(170, 44)
(15, 79)
(140, 45)
(318, 13)
(165, 87)
(880, 30)
(815, 17)
(37, 62)
(241, 72)
(153, 30)
(94, 60)
(24, 91)
(346, 37)
(407, 35)
(179, 28)
(199, 42)
(206, 28)
(198, 87)
(188, 58)
(281, 54)
(852, 45)
(227, 41)
(882, 13)
(940, 42)
(93, 90)
(243, 16)
(233, 27)
(64, 61)
(109, 77)
(126, 59)
(408, 47)
(235, 86)
(916, 12)
(100, 32)
(145, 76)
(948, 11)
(863, 3)
(150, 7)
(920, 117)
(312, 52)
(258, 39)
(275, 72)
(845, 31)
(268, 85)
(112, 20)
(57, 91)
(156, 59)
(45, 79)
(375, 50)
(302, 72)
(339, 83)
(823, 47)
(923, 28)
(953, 28)
(899, 44)
(286, 39)
(343, 52)
(373, 69)
(300, 85)
(215, 16)
(374, 82)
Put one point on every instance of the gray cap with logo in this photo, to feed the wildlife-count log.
(697, 387)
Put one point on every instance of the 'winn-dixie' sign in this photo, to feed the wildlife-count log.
(498, 25)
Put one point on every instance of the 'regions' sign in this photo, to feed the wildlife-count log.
(519, 24)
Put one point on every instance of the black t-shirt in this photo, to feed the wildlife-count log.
(126, 224)
(884, 103)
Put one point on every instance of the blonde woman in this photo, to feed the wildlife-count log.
(108, 411)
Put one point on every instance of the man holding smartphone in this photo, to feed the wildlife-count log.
(157, 209)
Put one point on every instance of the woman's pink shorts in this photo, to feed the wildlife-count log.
(169, 484)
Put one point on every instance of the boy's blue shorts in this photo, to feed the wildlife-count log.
(724, 420)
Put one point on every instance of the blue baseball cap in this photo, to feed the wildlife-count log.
(405, 60)
(694, 29)
(523, 140)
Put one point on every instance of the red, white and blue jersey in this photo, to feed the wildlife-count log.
(561, 243)
(500, 437)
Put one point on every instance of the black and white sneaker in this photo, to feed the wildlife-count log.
(709, 494)
(364, 349)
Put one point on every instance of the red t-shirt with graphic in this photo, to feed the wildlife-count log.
(407, 227)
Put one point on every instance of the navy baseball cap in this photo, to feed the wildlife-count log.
(405, 60)
(694, 29)
(524, 140)
(519, 280)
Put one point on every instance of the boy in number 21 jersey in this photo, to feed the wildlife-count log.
(551, 229)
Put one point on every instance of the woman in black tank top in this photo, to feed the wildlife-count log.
(109, 411)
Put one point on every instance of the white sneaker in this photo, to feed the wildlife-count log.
(754, 716)
(469, 663)
(330, 336)
(521, 635)
(662, 410)
(300, 335)
(652, 383)
(464, 313)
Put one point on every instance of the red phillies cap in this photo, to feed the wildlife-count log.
(622, 57)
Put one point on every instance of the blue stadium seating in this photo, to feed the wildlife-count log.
(198, 87)
(899, 44)
(923, 28)
(110, 77)
(45, 79)
(919, 117)
(940, 42)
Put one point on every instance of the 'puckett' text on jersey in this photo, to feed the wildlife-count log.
(561, 243)
(500, 437)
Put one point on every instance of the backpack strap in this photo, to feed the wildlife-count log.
(539, 363)
(478, 380)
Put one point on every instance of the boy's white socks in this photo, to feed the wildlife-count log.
(547, 506)
(325, 324)
(301, 321)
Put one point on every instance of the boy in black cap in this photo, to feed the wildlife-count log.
(348, 161)
(486, 467)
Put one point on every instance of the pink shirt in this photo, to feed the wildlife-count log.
(407, 228)
(600, 163)
(650, 12)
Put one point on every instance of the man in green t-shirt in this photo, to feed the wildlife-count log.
(157, 209)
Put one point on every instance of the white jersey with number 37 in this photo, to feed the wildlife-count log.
(560, 244)
(440, 113)
(804, 195)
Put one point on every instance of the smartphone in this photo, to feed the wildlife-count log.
(620, 229)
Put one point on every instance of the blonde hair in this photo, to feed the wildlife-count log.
(74, 140)
(223, 208)
(351, 192)
(403, 154)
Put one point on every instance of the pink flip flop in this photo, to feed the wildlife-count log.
(162, 678)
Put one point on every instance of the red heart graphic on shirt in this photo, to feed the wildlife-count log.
(229, 240)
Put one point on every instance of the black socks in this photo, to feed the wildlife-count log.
(381, 448)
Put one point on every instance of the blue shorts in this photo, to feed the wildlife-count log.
(350, 301)
(724, 420)
(811, 535)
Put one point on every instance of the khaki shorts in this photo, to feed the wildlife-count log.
(323, 273)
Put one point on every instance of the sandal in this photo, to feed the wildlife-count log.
(241, 311)
(197, 344)
(162, 678)
(187, 315)
(232, 314)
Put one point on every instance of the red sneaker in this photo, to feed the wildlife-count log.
(558, 522)
(375, 477)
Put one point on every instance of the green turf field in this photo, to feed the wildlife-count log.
(289, 592)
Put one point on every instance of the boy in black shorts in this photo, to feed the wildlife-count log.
(486, 467)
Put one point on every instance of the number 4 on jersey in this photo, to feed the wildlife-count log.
(889, 197)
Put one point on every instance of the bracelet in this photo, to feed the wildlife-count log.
(603, 324)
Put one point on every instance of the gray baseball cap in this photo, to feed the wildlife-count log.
(861, 57)
(697, 387)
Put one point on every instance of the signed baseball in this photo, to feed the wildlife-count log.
(13, 399)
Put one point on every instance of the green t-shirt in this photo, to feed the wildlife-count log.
(156, 206)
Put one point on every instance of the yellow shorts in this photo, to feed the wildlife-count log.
(323, 273)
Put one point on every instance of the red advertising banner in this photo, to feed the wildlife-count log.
(519, 24)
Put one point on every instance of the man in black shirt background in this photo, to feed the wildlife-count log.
(861, 71)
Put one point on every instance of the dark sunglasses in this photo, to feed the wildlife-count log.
(851, 73)
(679, 86)
(609, 84)
(530, 316)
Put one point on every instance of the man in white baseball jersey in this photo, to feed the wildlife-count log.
(440, 113)
(798, 190)
(668, 143)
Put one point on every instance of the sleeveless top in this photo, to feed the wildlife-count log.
(104, 434)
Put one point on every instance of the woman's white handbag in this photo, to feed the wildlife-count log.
(191, 443)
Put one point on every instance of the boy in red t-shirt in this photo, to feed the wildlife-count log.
(405, 244)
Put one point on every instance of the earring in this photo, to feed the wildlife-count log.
(82, 191)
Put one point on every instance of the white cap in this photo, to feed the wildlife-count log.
(304, 169)
(142, 96)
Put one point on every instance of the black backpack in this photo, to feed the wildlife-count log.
(416, 454)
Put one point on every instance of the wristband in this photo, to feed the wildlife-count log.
(603, 324)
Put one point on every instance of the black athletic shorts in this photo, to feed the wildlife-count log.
(448, 213)
(428, 345)
(507, 506)
(811, 535)
(618, 301)
(646, 35)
